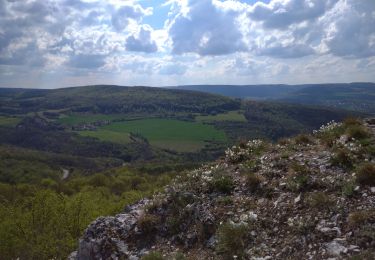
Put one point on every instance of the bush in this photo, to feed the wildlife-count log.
(342, 158)
(329, 137)
(223, 183)
(358, 132)
(153, 256)
(366, 174)
(232, 240)
(359, 218)
(351, 121)
(348, 189)
(320, 200)
(283, 141)
(179, 256)
(225, 201)
(303, 139)
(252, 182)
(299, 178)
(148, 223)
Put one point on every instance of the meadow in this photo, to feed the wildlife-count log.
(235, 116)
(182, 136)
(89, 118)
(9, 121)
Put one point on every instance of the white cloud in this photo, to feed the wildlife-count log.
(206, 28)
(351, 29)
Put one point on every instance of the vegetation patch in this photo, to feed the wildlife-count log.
(164, 133)
(299, 177)
(366, 174)
(362, 217)
(232, 240)
(148, 224)
(320, 200)
(342, 158)
(107, 135)
(236, 116)
(222, 183)
(153, 256)
(303, 139)
(76, 119)
(348, 189)
(358, 132)
(9, 121)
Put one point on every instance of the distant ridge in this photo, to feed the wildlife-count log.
(357, 96)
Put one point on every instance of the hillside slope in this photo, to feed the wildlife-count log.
(310, 197)
(112, 99)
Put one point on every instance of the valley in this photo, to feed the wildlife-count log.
(88, 151)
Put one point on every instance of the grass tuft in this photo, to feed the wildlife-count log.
(366, 174)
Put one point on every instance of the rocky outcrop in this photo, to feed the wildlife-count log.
(310, 197)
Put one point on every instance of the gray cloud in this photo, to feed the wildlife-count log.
(87, 61)
(120, 18)
(142, 43)
(355, 30)
(281, 14)
(30, 55)
(286, 51)
(206, 29)
(92, 18)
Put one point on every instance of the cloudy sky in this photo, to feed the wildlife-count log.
(55, 43)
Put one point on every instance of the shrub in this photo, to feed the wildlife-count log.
(358, 132)
(329, 133)
(366, 174)
(342, 158)
(348, 189)
(359, 218)
(350, 121)
(179, 256)
(299, 168)
(232, 240)
(299, 178)
(148, 223)
(153, 256)
(223, 183)
(225, 201)
(252, 182)
(320, 200)
(303, 139)
(252, 165)
(364, 255)
(283, 141)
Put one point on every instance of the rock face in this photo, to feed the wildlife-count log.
(302, 198)
(104, 238)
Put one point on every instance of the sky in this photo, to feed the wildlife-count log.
(59, 43)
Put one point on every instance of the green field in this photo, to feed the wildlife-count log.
(229, 116)
(164, 133)
(9, 121)
(79, 119)
(108, 135)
